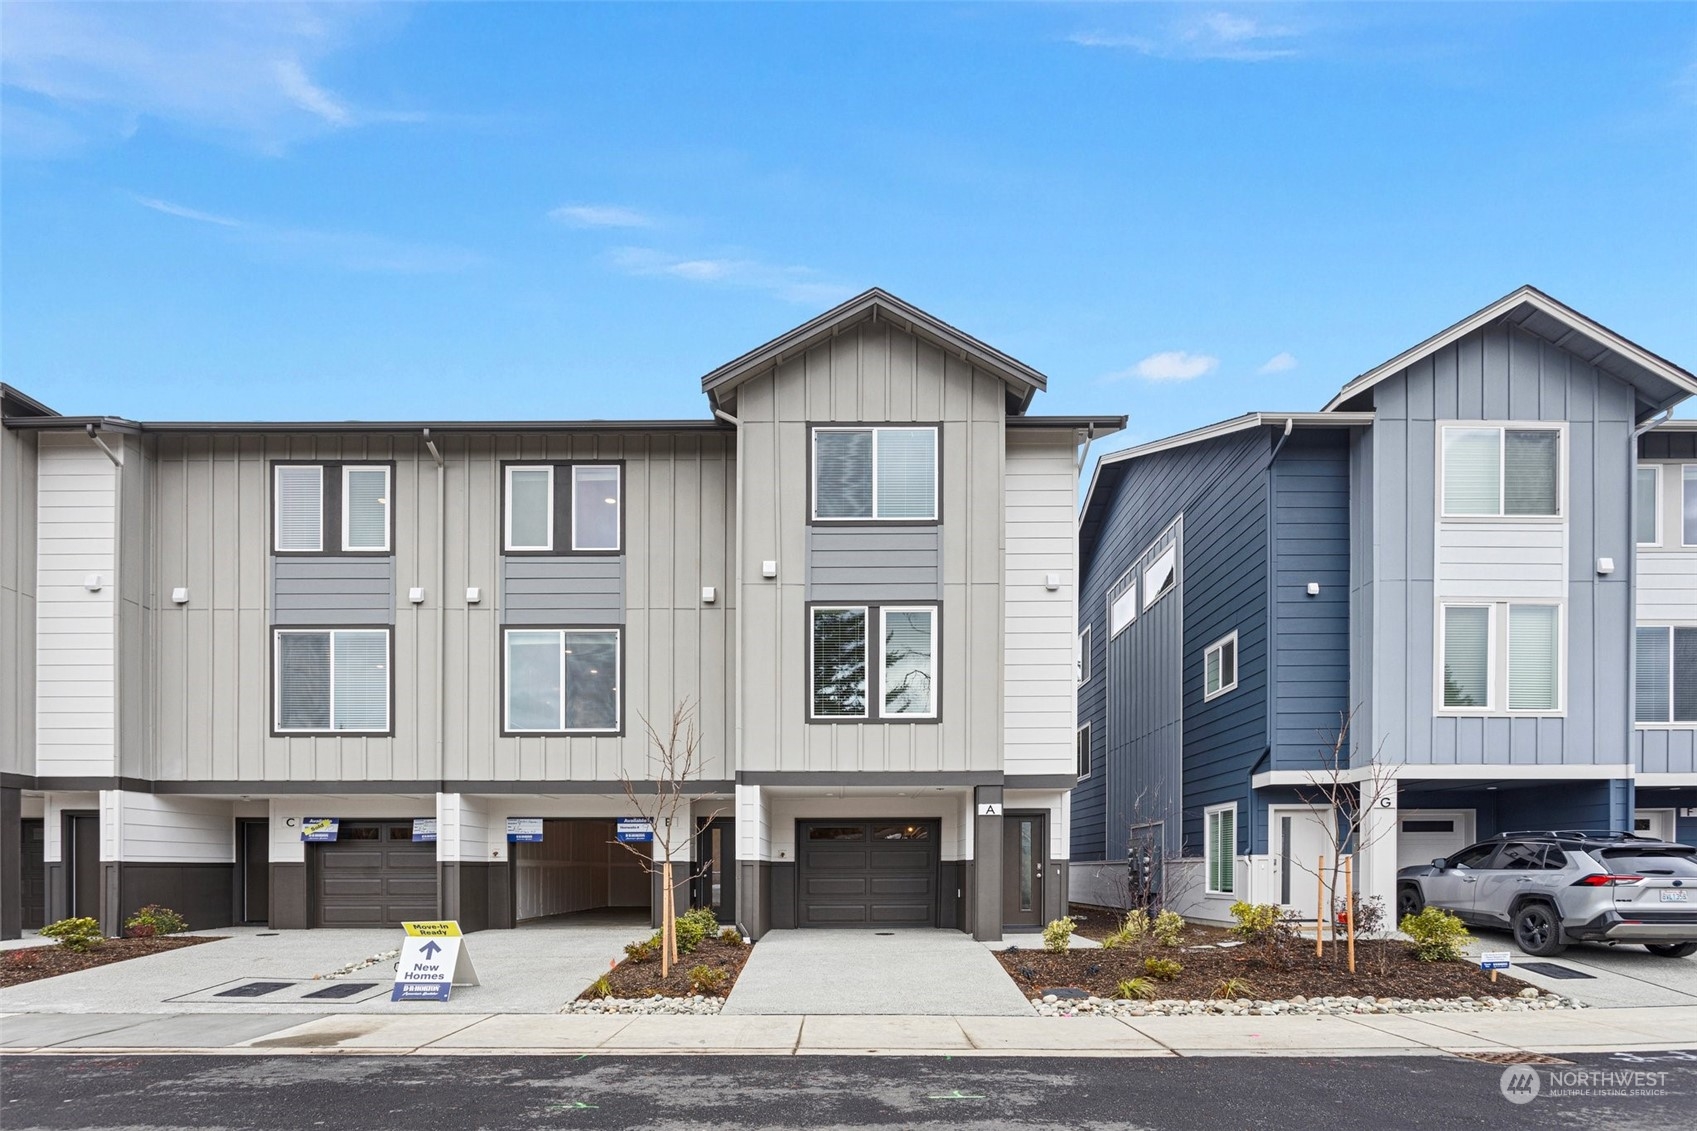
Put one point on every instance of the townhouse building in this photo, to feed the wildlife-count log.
(1465, 591)
(318, 673)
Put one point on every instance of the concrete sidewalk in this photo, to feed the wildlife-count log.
(1625, 1031)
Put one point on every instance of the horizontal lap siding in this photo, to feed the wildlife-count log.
(563, 590)
(1667, 586)
(874, 564)
(1039, 680)
(333, 590)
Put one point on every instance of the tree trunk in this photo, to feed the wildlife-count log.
(668, 920)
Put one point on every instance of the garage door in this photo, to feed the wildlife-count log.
(373, 875)
(867, 873)
(1423, 835)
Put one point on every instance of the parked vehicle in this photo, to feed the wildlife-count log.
(1559, 887)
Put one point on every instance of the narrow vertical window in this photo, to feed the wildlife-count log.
(1221, 849)
(842, 473)
(1122, 606)
(365, 508)
(1083, 662)
(1534, 658)
(530, 508)
(299, 508)
(1647, 507)
(909, 663)
(1685, 675)
(1472, 469)
(360, 690)
(838, 663)
(1531, 471)
(1653, 654)
(535, 680)
(1467, 656)
(303, 681)
(595, 507)
(1690, 501)
(1220, 667)
(592, 680)
(906, 473)
(1084, 751)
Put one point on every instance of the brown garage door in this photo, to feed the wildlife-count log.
(373, 875)
(867, 873)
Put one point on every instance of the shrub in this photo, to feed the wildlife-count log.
(694, 925)
(730, 935)
(75, 934)
(705, 979)
(1132, 930)
(1168, 928)
(1255, 921)
(1057, 936)
(601, 987)
(1162, 969)
(1438, 936)
(1369, 915)
(642, 950)
(1137, 989)
(1234, 987)
(140, 931)
(163, 920)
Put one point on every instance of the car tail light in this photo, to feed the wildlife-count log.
(1605, 880)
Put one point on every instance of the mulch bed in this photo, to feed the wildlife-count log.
(642, 979)
(1095, 922)
(33, 963)
(1383, 969)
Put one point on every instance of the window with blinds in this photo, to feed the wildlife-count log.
(350, 500)
(365, 508)
(299, 508)
(1220, 848)
(1495, 472)
(909, 662)
(1647, 507)
(1534, 658)
(886, 474)
(1219, 664)
(561, 680)
(1666, 675)
(332, 680)
(1467, 656)
(837, 658)
(1690, 505)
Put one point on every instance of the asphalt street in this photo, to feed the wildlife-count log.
(756, 1093)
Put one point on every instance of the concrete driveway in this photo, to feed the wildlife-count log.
(932, 972)
(533, 969)
(1618, 975)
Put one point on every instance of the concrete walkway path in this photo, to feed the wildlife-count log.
(911, 972)
(1638, 1035)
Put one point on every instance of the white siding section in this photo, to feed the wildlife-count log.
(1667, 586)
(1040, 627)
(1059, 806)
(76, 630)
(462, 828)
(1502, 561)
(287, 813)
(150, 828)
(754, 839)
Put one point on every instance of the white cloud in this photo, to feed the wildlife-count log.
(1278, 363)
(179, 211)
(601, 216)
(1208, 35)
(1169, 365)
(790, 283)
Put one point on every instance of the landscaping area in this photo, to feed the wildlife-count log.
(79, 945)
(709, 960)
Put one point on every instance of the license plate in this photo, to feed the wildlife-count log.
(1673, 896)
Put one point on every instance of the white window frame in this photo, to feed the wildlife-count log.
(871, 683)
(884, 612)
(619, 517)
(1208, 815)
(507, 507)
(1686, 483)
(1129, 595)
(560, 640)
(1508, 659)
(1166, 562)
(277, 726)
(1655, 469)
(1673, 686)
(875, 430)
(388, 505)
(1089, 754)
(277, 509)
(1237, 665)
(1083, 672)
(1491, 696)
(1502, 427)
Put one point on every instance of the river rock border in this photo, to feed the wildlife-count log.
(1528, 999)
(696, 1005)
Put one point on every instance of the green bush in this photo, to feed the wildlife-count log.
(1058, 934)
(1438, 936)
(694, 925)
(601, 987)
(1139, 989)
(154, 920)
(1234, 988)
(1255, 920)
(704, 979)
(1168, 928)
(730, 935)
(643, 950)
(1133, 930)
(75, 934)
(1162, 969)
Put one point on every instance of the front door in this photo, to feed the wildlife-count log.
(1025, 843)
(34, 874)
(715, 868)
(83, 867)
(1300, 840)
(256, 871)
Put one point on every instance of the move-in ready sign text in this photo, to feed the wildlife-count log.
(433, 961)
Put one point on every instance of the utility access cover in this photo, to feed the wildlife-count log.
(254, 989)
(342, 989)
(1551, 970)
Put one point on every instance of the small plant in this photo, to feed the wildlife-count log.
(642, 950)
(1168, 928)
(1162, 969)
(162, 920)
(1234, 987)
(694, 925)
(1255, 920)
(1135, 989)
(1057, 936)
(730, 935)
(704, 979)
(75, 934)
(601, 987)
(1369, 915)
(1438, 936)
(1133, 930)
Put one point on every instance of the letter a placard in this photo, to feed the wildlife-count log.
(433, 961)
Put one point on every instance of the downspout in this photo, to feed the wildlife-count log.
(733, 755)
(441, 605)
(94, 434)
(1089, 435)
(1271, 604)
(1632, 586)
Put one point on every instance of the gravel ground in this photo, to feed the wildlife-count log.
(1049, 1005)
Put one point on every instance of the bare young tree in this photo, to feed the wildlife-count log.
(674, 759)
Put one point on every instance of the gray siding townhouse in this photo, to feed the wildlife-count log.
(321, 674)
(1478, 564)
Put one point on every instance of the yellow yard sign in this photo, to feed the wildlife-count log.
(444, 929)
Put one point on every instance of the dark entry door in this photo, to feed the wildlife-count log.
(716, 868)
(256, 871)
(1025, 846)
(374, 875)
(33, 861)
(83, 867)
(867, 873)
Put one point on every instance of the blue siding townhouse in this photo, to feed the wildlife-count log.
(1478, 563)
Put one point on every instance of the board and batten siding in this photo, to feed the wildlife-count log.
(1039, 676)
(871, 373)
(212, 693)
(1498, 373)
(18, 497)
(883, 564)
(76, 631)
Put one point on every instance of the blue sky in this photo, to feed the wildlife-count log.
(475, 211)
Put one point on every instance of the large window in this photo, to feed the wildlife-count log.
(1666, 675)
(1647, 507)
(1219, 665)
(584, 517)
(1472, 676)
(1496, 472)
(1467, 657)
(1220, 848)
(331, 508)
(332, 680)
(904, 668)
(562, 680)
(884, 474)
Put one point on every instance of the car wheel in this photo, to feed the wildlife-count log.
(1672, 950)
(1536, 930)
(1408, 902)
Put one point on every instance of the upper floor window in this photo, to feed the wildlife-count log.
(330, 507)
(841, 685)
(1666, 675)
(1122, 604)
(1220, 667)
(585, 517)
(1647, 507)
(1084, 751)
(1161, 576)
(331, 680)
(1499, 471)
(1084, 655)
(1690, 505)
(562, 680)
(885, 474)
